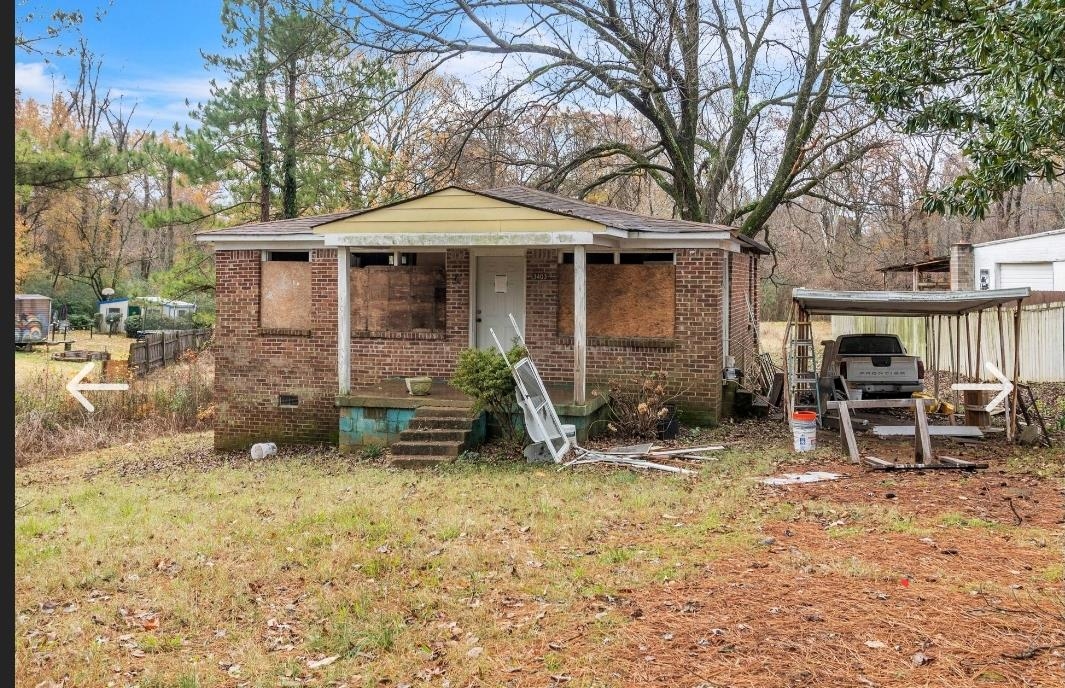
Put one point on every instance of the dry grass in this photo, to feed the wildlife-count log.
(771, 336)
(167, 564)
(49, 422)
(28, 365)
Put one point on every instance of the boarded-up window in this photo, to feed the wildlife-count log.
(286, 294)
(408, 297)
(623, 300)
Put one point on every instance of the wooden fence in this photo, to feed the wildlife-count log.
(1042, 353)
(158, 349)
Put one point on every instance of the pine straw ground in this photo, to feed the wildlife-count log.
(168, 564)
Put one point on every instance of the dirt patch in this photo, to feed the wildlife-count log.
(992, 495)
(768, 626)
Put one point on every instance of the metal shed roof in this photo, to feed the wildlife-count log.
(905, 303)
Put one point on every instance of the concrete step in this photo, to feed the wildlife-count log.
(447, 449)
(460, 434)
(418, 461)
(443, 412)
(445, 423)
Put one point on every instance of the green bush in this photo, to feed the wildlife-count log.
(80, 321)
(134, 325)
(484, 375)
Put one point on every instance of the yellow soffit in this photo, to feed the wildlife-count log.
(457, 210)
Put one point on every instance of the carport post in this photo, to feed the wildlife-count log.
(1016, 367)
(580, 324)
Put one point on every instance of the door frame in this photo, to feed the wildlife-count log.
(475, 254)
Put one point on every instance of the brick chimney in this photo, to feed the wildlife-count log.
(962, 270)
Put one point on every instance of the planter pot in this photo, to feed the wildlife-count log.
(419, 386)
(668, 426)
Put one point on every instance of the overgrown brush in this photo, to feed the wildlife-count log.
(50, 423)
(640, 404)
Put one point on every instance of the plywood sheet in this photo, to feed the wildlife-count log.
(286, 295)
(623, 300)
(398, 299)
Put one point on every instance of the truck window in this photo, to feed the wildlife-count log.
(870, 345)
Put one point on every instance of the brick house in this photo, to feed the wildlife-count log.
(312, 310)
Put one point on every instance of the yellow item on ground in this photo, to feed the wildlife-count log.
(936, 406)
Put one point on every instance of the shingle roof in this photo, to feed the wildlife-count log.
(297, 225)
(542, 200)
(611, 217)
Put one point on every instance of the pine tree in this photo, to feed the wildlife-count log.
(286, 131)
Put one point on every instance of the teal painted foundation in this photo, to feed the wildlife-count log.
(362, 425)
(365, 425)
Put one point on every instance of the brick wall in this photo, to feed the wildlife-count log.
(962, 267)
(692, 356)
(253, 368)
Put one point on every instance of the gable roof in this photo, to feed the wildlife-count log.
(611, 218)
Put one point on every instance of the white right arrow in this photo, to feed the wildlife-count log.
(75, 386)
(1003, 386)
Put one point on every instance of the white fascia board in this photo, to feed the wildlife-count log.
(682, 241)
(232, 242)
(461, 240)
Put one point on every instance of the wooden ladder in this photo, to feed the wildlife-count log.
(801, 366)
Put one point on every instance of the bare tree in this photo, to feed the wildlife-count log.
(734, 96)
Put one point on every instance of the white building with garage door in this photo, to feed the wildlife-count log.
(1036, 261)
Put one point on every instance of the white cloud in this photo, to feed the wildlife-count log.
(38, 80)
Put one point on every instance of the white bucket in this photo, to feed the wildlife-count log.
(262, 450)
(804, 434)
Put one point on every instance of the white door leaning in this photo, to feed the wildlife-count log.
(500, 290)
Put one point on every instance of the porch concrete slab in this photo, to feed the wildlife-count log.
(393, 394)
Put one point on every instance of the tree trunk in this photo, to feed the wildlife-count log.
(288, 164)
(264, 120)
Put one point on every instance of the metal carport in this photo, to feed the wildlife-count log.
(934, 306)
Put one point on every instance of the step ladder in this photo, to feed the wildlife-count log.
(804, 392)
(1027, 407)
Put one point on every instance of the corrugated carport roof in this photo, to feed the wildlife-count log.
(905, 303)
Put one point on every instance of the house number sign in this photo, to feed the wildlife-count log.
(538, 276)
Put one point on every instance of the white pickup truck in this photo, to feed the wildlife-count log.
(876, 364)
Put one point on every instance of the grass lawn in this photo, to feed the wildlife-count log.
(165, 564)
(27, 364)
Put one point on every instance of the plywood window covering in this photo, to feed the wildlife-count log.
(409, 297)
(624, 300)
(286, 292)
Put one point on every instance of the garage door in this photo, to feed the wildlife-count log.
(1038, 276)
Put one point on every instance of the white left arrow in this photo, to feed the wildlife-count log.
(76, 387)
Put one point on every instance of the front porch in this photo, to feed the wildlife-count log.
(378, 413)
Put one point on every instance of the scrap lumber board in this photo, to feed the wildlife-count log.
(884, 431)
(882, 465)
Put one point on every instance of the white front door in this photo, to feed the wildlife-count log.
(500, 291)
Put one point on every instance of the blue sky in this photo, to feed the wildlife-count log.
(150, 51)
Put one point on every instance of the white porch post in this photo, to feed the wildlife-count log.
(344, 320)
(580, 324)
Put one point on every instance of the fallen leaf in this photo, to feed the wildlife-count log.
(474, 652)
(323, 662)
(875, 644)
